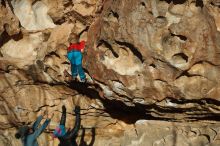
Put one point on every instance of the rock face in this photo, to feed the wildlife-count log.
(36, 18)
(157, 52)
(171, 134)
(149, 59)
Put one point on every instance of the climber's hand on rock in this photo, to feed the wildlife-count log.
(63, 108)
(77, 110)
(43, 112)
(50, 116)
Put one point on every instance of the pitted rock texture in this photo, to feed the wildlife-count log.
(149, 59)
(172, 134)
(156, 50)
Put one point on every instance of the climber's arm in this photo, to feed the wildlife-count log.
(37, 122)
(76, 128)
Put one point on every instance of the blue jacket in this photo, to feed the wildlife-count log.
(31, 139)
(59, 131)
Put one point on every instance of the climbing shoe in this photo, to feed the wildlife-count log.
(84, 81)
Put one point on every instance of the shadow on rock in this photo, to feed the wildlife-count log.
(86, 89)
(82, 140)
(115, 108)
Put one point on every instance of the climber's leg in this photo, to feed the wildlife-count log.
(81, 73)
(74, 70)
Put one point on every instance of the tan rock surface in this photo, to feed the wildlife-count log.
(157, 133)
(32, 16)
(146, 60)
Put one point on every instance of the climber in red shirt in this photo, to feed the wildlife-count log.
(74, 55)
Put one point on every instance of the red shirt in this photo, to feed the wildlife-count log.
(78, 46)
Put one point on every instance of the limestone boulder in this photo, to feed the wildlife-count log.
(152, 68)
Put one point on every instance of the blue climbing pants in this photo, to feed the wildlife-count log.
(75, 58)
